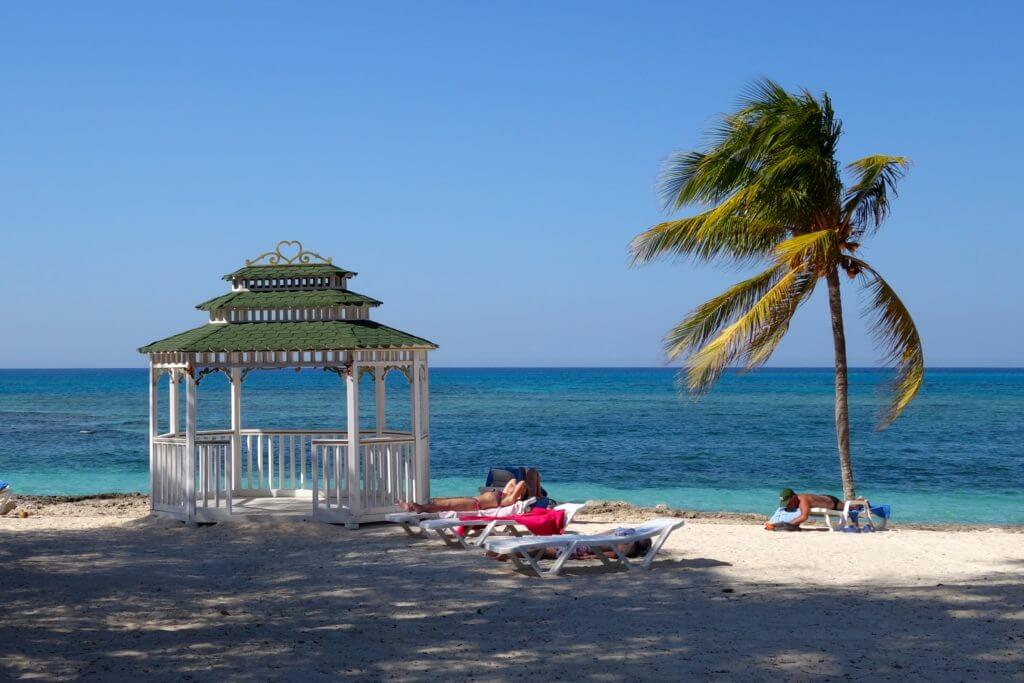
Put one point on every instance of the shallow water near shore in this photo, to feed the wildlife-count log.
(621, 434)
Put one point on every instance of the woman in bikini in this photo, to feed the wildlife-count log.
(513, 492)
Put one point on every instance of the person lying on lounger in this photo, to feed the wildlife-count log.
(512, 493)
(803, 502)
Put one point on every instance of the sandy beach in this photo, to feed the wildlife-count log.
(96, 589)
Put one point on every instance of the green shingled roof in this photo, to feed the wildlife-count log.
(299, 270)
(310, 299)
(289, 336)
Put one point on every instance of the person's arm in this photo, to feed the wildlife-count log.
(805, 511)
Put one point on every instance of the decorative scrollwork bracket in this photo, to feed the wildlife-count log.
(209, 371)
(342, 371)
(293, 253)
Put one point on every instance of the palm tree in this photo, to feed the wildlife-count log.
(771, 191)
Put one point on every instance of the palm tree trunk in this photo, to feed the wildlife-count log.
(835, 304)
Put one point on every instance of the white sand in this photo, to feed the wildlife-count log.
(98, 591)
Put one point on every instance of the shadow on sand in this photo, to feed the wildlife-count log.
(315, 602)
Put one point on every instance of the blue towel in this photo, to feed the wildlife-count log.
(881, 511)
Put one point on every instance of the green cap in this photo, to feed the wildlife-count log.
(786, 494)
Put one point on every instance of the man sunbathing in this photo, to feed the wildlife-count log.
(803, 502)
(512, 493)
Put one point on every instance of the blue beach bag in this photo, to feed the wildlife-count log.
(880, 515)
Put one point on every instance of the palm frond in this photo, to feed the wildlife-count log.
(896, 333)
(720, 232)
(813, 251)
(705, 366)
(763, 346)
(776, 141)
(704, 322)
(866, 202)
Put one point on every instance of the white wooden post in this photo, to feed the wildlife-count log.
(422, 461)
(352, 463)
(378, 387)
(173, 422)
(236, 428)
(190, 447)
(154, 409)
(424, 441)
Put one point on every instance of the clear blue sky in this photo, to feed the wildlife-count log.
(483, 166)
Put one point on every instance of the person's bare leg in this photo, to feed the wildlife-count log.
(447, 504)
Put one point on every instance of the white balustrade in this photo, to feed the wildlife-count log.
(213, 473)
(275, 463)
(386, 472)
(170, 467)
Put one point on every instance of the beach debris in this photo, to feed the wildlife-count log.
(22, 514)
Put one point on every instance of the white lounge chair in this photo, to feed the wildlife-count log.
(826, 515)
(525, 551)
(447, 529)
(411, 521)
(842, 517)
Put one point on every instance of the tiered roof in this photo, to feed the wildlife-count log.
(288, 270)
(289, 303)
(278, 299)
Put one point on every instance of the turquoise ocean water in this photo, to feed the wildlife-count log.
(957, 455)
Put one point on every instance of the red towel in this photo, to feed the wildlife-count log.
(540, 521)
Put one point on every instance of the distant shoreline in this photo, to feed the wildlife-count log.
(779, 368)
(597, 510)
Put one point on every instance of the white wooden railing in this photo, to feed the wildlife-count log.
(276, 462)
(170, 474)
(282, 463)
(385, 467)
(213, 473)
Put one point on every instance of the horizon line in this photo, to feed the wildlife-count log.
(592, 367)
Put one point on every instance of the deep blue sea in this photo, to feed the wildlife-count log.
(957, 455)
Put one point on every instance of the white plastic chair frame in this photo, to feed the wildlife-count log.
(527, 552)
(843, 516)
(410, 521)
(479, 530)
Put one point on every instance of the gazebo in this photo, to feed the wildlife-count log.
(288, 308)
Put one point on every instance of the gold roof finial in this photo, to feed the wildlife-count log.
(293, 253)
